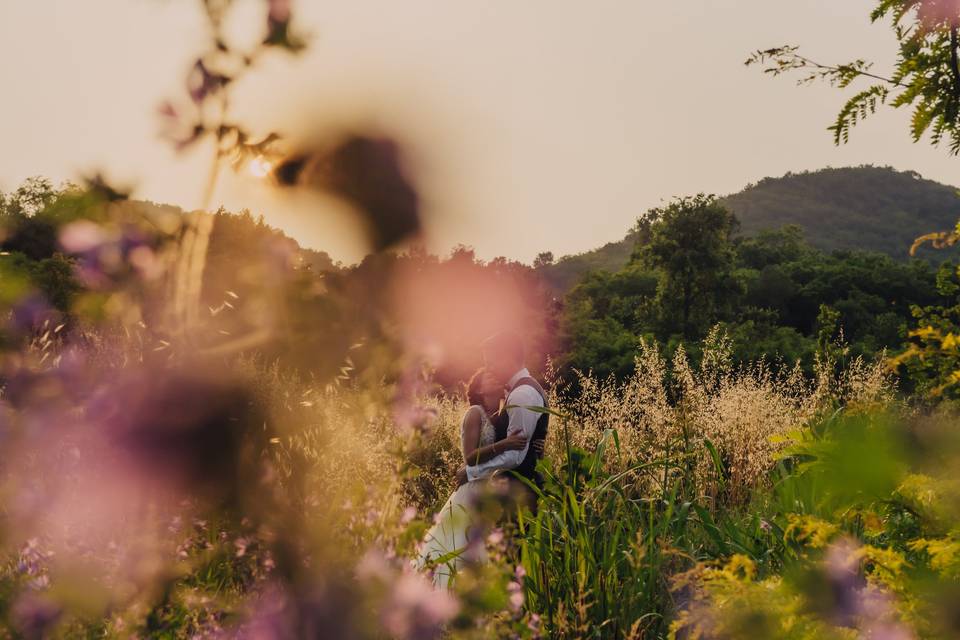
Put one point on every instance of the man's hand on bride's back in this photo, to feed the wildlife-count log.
(539, 446)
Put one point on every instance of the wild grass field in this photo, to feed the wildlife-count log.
(707, 501)
(209, 431)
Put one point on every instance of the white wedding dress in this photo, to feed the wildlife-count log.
(449, 535)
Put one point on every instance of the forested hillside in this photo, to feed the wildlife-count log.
(870, 208)
(256, 281)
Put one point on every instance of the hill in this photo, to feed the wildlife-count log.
(866, 208)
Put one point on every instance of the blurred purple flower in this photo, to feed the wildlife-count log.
(81, 236)
(373, 566)
(515, 595)
(269, 620)
(414, 610)
(843, 573)
(856, 603)
(31, 312)
(34, 615)
(408, 413)
(176, 129)
(201, 82)
(30, 558)
(279, 11)
(408, 515)
(534, 624)
(282, 614)
(39, 583)
(105, 257)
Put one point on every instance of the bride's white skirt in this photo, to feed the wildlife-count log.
(449, 536)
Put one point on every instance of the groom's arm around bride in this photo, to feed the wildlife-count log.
(521, 421)
(504, 357)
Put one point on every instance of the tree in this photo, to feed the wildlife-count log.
(604, 317)
(772, 247)
(30, 198)
(926, 75)
(544, 259)
(23, 226)
(691, 247)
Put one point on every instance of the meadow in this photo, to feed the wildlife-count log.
(209, 431)
(687, 501)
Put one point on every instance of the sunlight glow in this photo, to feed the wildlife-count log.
(259, 167)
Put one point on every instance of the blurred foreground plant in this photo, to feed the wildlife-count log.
(865, 513)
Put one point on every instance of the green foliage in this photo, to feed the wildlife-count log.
(925, 77)
(855, 208)
(604, 316)
(779, 299)
(863, 519)
(598, 553)
(757, 335)
(690, 248)
(932, 360)
(595, 559)
(565, 273)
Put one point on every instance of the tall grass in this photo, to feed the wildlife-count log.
(597, 560)
(653, 475)
(742, 412)
(644, 480)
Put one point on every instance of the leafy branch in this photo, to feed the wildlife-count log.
(207, 115)
(926, 75)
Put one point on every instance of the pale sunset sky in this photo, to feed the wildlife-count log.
(532, 124)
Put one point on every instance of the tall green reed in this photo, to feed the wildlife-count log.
(598, 556)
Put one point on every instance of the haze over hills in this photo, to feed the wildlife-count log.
(854, 208)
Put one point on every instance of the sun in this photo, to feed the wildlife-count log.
(259, 167)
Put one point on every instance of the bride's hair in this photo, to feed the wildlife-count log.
(475, 388)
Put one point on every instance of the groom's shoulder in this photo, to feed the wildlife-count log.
(525, 395)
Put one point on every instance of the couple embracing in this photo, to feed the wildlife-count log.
(502, 436)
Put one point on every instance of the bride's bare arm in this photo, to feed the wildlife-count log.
(470, 433)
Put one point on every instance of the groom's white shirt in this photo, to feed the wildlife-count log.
(520, 419)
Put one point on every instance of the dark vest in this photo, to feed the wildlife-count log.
(527, 468)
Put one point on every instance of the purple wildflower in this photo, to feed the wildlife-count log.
(31, 312)
(34, 615)
(415, 610)
(278, 11)
(201, 82)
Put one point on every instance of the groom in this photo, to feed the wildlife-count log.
(503, 357)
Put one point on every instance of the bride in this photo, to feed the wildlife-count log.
(447, 539)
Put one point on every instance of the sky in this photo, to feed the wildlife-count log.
(530, 126)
